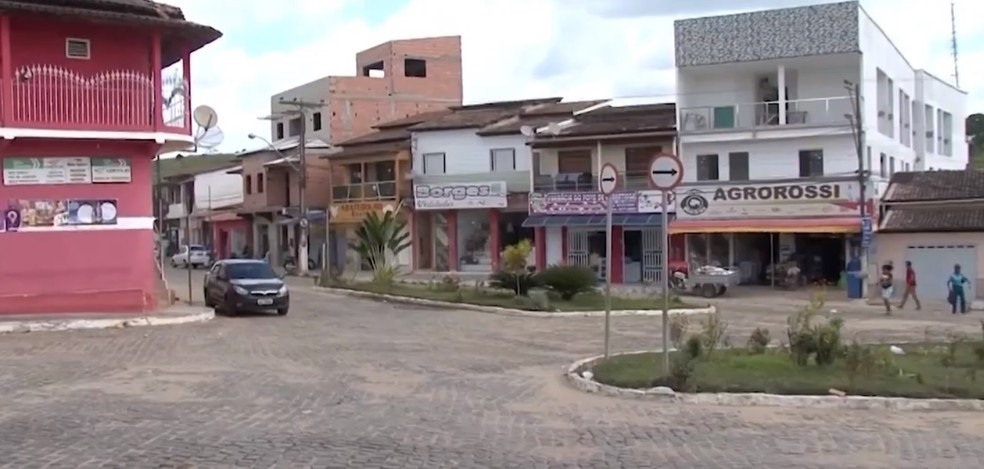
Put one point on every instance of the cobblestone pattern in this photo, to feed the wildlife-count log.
(343, 382)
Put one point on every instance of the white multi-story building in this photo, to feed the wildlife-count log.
(766, 115)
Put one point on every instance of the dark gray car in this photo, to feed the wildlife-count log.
(245, 285)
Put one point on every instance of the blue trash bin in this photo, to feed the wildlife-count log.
(855, 279)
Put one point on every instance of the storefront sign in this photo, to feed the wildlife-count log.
(582, 203)
(769, 200)
(45, 214)
(651, 201)
(355, 212)
(67, 170)
(110, 170)
(462, 195)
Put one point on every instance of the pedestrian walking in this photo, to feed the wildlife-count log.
(910, 286)
(957, 295)
(886, 282)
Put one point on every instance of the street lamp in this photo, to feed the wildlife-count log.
(302, 245)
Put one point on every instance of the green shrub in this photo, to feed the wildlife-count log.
(713, 332)
(568, 280)
(679, 323)
(759, 340)
(520, 283)
(811, 339)
(859, 360)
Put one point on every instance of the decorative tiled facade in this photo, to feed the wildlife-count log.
(776, 34)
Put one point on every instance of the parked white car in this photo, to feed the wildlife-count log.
(195, 255)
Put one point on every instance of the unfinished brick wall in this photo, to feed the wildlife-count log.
(358, 103)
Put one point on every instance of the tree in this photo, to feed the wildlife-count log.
(377, 239)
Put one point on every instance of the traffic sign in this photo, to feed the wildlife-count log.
(665, 172)
(866, 232)
(609, 179)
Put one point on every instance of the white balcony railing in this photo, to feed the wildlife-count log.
(804, 112)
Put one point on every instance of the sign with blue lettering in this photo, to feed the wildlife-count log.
(866, 232)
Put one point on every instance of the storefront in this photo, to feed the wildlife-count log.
(463, 227)
(344, 220)
(570, 229)
(788, 233)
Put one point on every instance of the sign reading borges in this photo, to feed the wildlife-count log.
(460, 195)
(793, 199)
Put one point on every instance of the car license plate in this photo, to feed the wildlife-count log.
(264, 302)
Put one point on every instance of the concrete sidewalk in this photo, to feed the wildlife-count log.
(173, 315)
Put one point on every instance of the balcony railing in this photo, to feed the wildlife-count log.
(585, 182)
(376, 190)
(54, 97)
(803, 112)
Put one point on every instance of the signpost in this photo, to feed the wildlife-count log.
(607, 184)
(866, 232)
(665, 174)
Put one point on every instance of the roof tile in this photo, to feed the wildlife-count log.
(933, 219)
(622, 120)
(935, 185)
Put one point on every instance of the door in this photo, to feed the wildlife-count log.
(934, 264)
(577, 250)
(425, 241)
(214, 289)
(652, 256)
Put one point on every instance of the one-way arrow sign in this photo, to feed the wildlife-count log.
(665, 172)
(608, 180)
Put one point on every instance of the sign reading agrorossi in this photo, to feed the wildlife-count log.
(463, 195)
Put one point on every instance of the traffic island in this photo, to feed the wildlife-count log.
(173, 315)
(813, 369)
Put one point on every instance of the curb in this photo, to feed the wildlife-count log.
(573, 376)
(89, 324)
(507, 311)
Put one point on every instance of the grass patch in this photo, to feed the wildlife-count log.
(504, 299)
(920, 373)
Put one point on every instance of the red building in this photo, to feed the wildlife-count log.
(92, 91)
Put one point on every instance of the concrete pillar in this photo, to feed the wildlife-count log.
(452, 217)
(563, 245)
(494, 248)
(540, 243)
(781, 74)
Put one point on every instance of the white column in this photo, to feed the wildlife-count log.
(781, 74)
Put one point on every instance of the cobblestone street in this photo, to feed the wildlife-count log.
(351, 383)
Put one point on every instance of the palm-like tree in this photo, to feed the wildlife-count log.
(378, 238)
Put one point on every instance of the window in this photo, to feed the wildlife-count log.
(434, 163)
(882, 165)
(259, 183)
(249, 184)
(811, 163)
(891, 165)
(738, 166)
(294, 127)
(280, 130)
(316, 121)
(416, 68)
(707, 168)
(77, 48)
(574, 162)
(637, 160)
(503, 159)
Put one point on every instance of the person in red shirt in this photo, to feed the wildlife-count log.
(910, 286)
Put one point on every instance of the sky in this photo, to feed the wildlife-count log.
(513, 49)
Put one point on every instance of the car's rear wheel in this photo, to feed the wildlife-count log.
(283, 311)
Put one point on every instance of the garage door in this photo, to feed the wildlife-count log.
(934, 264)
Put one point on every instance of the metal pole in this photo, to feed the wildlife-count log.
(608, 274)
(862, 176)
(665, 280)
(302, 244)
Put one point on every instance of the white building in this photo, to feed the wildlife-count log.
(766, 119)
(471, 182)
(214, 221)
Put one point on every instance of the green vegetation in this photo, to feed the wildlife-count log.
(813, 362)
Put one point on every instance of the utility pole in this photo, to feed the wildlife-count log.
(299, 110)
(857, 129)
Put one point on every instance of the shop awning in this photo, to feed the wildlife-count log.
(640, 219)
(768, 225)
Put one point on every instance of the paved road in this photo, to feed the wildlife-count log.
(349, 383)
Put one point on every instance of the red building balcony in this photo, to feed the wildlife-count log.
(53, 97)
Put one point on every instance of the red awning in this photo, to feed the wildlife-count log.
(768, 225)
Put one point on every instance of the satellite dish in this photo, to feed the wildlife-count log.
(209, 138)
(527, 131)
(205, 116)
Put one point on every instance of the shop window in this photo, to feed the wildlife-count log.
(473, 241)
(249, 184)
(574, 161)
(708, 168)
(810, 163)
(738, 166)
(709, 249)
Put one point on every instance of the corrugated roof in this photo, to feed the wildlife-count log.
(179, 33)
(622, 120)
(935, 185)
(370, 149)
(383, 135)
(480, 115)
(934, 219)
(190, 165)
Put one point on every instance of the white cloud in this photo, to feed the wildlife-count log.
(512, 48)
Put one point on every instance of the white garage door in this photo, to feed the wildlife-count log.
(934, 264)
